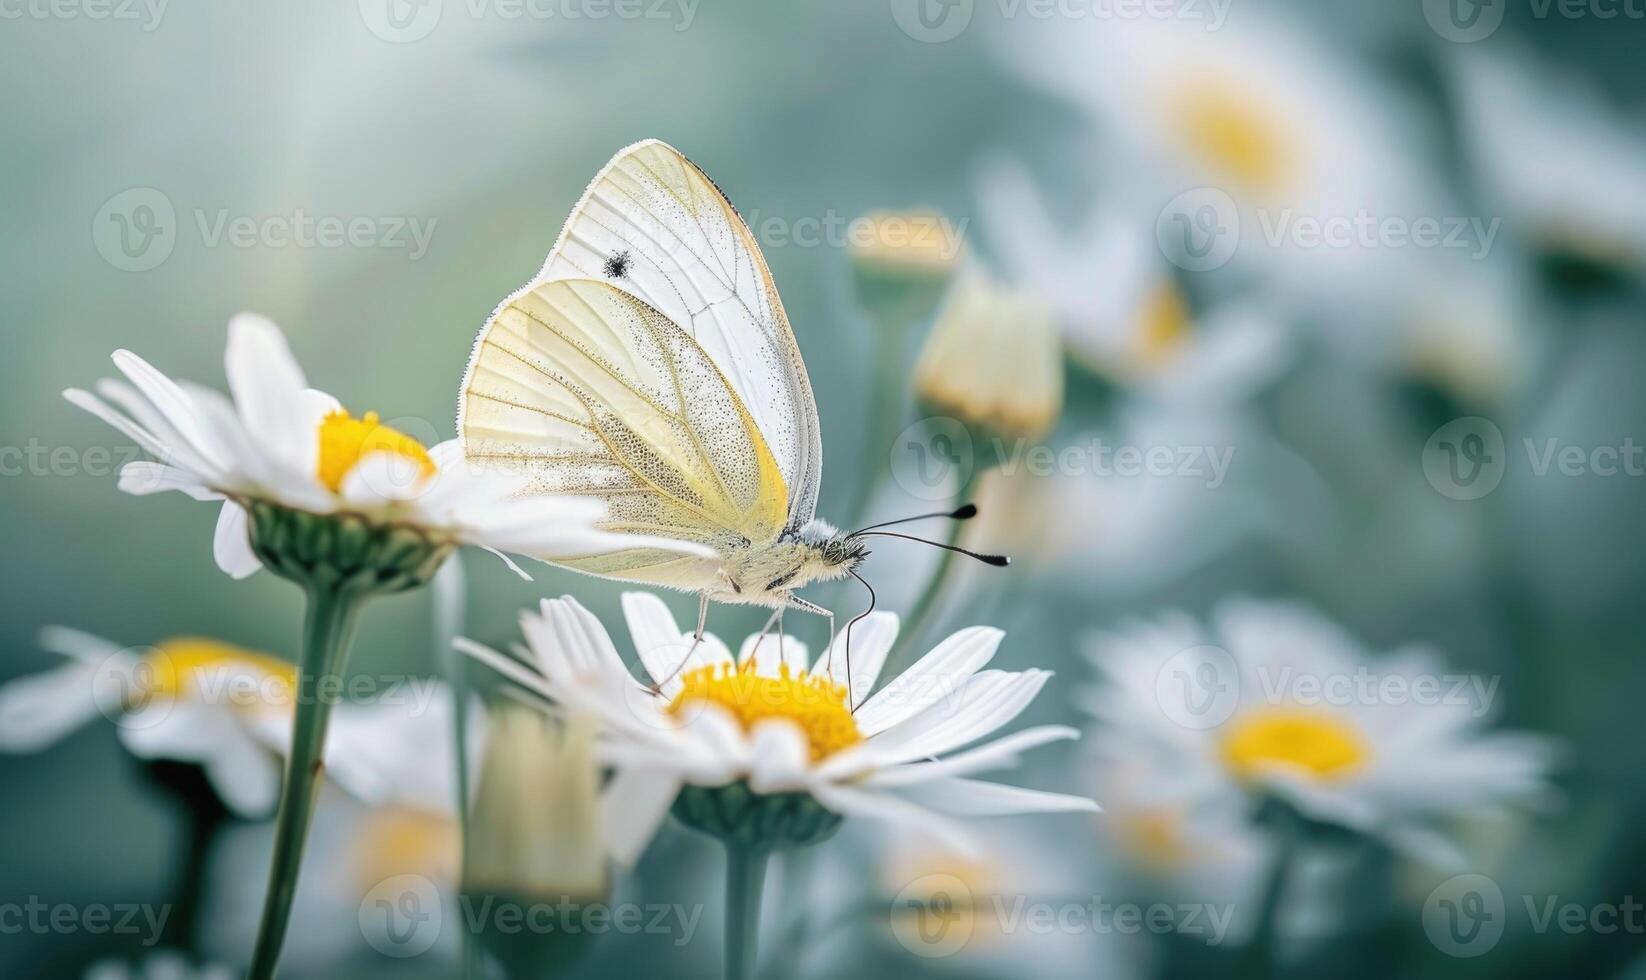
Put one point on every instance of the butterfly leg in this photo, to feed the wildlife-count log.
(697, 638)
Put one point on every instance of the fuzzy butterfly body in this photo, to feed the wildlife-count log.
(650, 365)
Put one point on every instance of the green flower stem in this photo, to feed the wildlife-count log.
(328, 628)
(1258, 959)
(926, 607)
(745, 882)
(448, 590)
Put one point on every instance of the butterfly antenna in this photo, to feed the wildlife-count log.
(998, 561)
(965, 512)
(873, 599)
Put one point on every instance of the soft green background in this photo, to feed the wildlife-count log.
(489, 128)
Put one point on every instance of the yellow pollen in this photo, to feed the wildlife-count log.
(345, 440)
(1165, 323)
(1315, 742)
(814, 702)
(1234, 133)
(178, 666)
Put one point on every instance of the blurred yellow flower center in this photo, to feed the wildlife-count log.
(185, 665)
(1165, 323)
(815, 703)
(1154, 837)
(399, 840)
(345, 440)
(1233, 133)
(914, 241)
(1317, 743)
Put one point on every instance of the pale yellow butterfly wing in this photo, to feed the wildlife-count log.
(593, 392)
(683, 249)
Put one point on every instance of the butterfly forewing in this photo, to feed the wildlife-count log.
(593, 392)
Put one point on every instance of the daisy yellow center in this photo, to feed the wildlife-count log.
(1314, 742)
(178, 667)
(345, 441)
(1164, 325)
(815, 703)
(1233, 133)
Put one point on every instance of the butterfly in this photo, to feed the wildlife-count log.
(650, 365)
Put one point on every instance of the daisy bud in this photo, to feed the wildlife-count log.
(535, 852)
(993, 360)
(901, 261)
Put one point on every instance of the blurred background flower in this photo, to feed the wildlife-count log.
(1335, 304)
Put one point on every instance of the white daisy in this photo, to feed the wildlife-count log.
(281, 450)
(1266, 124)
(1274, 700)
(1566, 166)
(771, 737)
(1121, 311)
(186, 699)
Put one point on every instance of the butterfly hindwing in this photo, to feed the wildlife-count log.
(595, 393)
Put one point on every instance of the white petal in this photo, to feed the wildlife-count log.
(268, 388)
(141, 477)
(232, 544)
(869, 643)
(935, 676)
(245, 775)
(994, 755)
(505, 665)
(382, 478)
(975, 798)
(37, 710)
(509, 563)
(174, 404)
(147, 440)
(78, 644)
(988, 701)
(570, 639)
(654, 631)
(940, 830)
(633, 805)
(780, 756)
